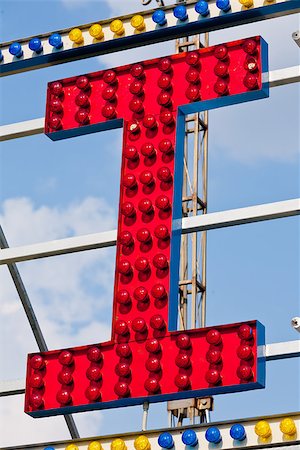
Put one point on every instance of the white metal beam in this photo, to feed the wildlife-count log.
(278, 77)
(210, 221)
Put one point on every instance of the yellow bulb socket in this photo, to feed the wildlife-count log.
(72, 447)
(96, 31)
(75, 36)
(246, 3)
(95, 446)
(118, 444)
(263, 429)
(117, 27)
(142, 443)
(287, 426)
(138, 22)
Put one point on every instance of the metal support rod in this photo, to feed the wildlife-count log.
(34, 324)
(145, 415)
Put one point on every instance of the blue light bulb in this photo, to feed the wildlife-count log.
(237, 431)
(159, 17)
(15, 49)
(165, 440)
(1, 56)
(189, 437)
(224, 5)
(49, 448)
(213, 435)
(202, 8)
(180, 13)
(35, 45)
(55, 40)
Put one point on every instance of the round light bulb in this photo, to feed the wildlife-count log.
(138, 22)
(95, 446)
(75, 36)
(117, 27)
(142, 443)
(159, 17)
(288, 427)
(55, 40)
(96, 31)
(263, 429)
(118, 444)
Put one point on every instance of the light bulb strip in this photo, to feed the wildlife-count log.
(132, 440)
(132, 37)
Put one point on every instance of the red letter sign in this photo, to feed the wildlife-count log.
(146, 359)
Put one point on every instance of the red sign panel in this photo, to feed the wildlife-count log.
(146, 359)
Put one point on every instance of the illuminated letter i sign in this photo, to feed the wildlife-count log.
(146, 358)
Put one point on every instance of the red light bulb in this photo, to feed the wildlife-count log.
(136, 87)
(157, 322)
(139, 325)
(36, 380)
(213, 356)
(130, 153)
(56, 88)
(94, 354)
(182, 381)
(82, 100)
(82, 116)
(212, 376)
(214, 337)
(36, 400)
(123, 350)
(164, 99)
(164, 174)
(143, 235)
(165, 146)
(37, 362)
(109, 93)
(63, 397)
(160, 261)
(145, 205)
(121, 389)
(152, 385)
(124, 267)
(183, 341)
(133, 126)
(66, 358)
(153, 364)
(193, 93)
(129, 180)
(192, 76)
(65, 376)
(141, 294)
(54, 122)
(92, 393)
(165, 65)
(221, 52)
(161, 232)
(164, 81)
(136, 105)
(244, 373)
(123, 297)
(94, 373)
(244, 352)
(148, 149)
(110, 76)
(192, 58)
(153, 346)
(245, 332)
(125, 238)
(137, 70)
(221, 69)
(158, 291)
(221, 87)
(127, 209)
(121, 327)
(251, 81)
(149, 121)
(251, 64)
(250, 46)
(141, 264)
(108, 111)
(146, 177)
(162, 202)
(183, 360)
(83, 82)
(166, 117)
(123, 369)
(55, 105)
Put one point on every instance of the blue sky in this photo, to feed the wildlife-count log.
(54, 190)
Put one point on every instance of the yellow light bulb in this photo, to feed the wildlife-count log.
(75, 35)
(287, 426)
(72, 447)
(117, 27)
(263, 429)
(95, 446)
(118, 444)
(246, 3)
(138, 22)
(142, 443)
(96, 31)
